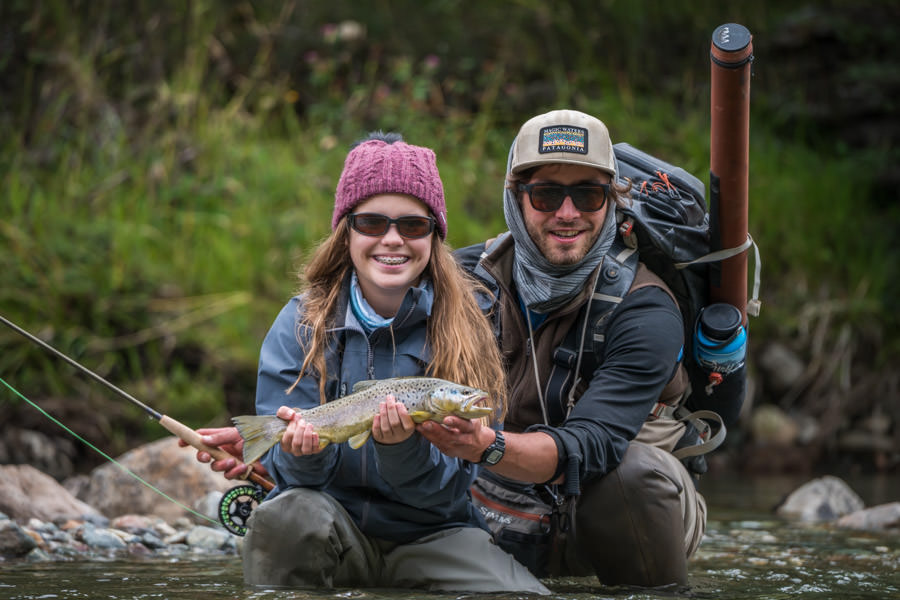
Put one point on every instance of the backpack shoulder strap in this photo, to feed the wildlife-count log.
(620, 274)
(469, 258)
(674, 391)
(645, 278)
(577, 358)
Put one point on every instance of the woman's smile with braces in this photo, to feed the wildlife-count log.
(392, 260)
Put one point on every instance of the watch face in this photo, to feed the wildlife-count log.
(493, 457)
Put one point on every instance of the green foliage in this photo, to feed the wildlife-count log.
(166, 166)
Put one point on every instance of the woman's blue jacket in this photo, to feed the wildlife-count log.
(398, 492)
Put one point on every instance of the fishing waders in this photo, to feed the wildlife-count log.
(638, 524)
(304, 538)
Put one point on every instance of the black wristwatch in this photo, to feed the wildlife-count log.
(493, 453)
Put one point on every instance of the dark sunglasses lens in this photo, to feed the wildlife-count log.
(547, 198)
(368, 224)
(589, 198)
(374, 224)
(414, 227)
(586, 198)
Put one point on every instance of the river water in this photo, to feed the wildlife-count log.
(747, 553)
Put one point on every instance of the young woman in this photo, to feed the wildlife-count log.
(382, 297)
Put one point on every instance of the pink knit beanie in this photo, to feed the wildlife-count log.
(376, 167)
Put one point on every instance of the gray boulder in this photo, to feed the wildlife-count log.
(27, 493)
(884, 517)
(824, 499)
(170, 468)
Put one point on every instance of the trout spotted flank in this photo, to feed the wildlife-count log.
(350, 418)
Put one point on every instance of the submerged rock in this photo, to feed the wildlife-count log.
(824, 499)
(884, 517)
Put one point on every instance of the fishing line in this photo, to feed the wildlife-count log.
(122, 467)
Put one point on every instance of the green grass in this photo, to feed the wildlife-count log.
(126, 258)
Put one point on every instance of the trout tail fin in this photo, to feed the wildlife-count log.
(260, 432)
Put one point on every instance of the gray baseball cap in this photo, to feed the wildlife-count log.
(563, 136)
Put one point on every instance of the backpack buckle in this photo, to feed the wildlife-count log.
(661, 410)
(565, 358)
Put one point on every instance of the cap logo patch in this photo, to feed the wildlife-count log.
(563, 138)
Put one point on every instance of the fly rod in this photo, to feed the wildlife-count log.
(180, 430)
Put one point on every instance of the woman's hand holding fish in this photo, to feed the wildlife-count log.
(300, 438)
(392, 424)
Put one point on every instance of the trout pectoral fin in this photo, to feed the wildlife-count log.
(359, 439)
(420, 416)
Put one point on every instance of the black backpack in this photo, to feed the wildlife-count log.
(670, 222)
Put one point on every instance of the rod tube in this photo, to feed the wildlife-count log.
(731, 58)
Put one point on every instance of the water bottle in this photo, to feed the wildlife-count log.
(720, 340)
(720, 348)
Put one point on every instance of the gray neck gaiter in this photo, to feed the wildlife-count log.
(543, 286)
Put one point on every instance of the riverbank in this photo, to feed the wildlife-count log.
(97, 538)
(861, 506)
(156, 501)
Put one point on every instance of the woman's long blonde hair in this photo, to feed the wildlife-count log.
(462, 342)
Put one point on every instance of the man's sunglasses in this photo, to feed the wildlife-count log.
(411, 227)
(548, 197)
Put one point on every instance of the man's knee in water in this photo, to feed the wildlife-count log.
(629, 523)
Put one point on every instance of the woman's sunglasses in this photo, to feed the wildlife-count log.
(548, 197)
(411, 227)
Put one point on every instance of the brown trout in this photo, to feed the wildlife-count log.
(350, 418)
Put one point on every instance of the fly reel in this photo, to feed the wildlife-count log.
(237, 504)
